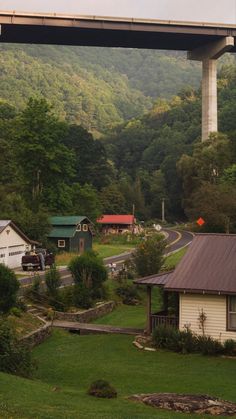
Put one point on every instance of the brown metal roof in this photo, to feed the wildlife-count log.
(152, 280)
(208, 266)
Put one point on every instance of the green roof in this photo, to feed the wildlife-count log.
(67, 221)
(62, 232)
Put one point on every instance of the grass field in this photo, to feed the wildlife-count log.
(104, 251)
(67, 364)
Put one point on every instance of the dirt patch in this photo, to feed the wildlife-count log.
(187, 403)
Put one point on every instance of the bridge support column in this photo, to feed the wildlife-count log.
(209, 54)
(209, 98)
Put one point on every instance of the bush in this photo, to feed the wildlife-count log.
(15, 357)
(209, 346)
(187, 342)
(89, 273)
(102, 388)
(230, 347)
(52, 280)
(82, 297)
(16, 312)
(9, 286)
(128, 293)
(166, 337)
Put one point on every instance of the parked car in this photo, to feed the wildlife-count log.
(37, 260)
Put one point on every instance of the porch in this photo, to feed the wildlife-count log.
(168, 315)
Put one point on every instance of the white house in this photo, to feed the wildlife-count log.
(205, 283)
(13, 244)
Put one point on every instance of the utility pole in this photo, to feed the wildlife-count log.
(163, 210)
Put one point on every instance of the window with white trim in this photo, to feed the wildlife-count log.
(61, 243)
(85, 227)
(232, 312)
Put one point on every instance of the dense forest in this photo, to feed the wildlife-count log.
(51, 162)
(95, 87)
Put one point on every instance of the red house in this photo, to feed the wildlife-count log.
(117, 224)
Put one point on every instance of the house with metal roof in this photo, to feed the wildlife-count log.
(71, 233)
(204, 283)
(117, 224)
(13, 244)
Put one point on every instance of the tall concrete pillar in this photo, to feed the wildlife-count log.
(209, 54)
(209, 98)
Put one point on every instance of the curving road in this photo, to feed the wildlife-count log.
(176, 240)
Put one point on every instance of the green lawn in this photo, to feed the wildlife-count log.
(107, 250)
(172, 260)
(125, 316)
(67, 364)
(104, 251)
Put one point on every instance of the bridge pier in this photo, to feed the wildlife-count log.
(209, 54)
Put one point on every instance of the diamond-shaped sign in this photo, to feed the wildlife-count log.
(200, 221)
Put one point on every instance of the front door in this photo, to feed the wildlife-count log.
(81, 245)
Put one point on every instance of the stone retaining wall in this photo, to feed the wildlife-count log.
(88, 315)
(37, 336)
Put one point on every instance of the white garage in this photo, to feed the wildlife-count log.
(13, 244)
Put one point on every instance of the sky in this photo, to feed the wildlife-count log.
(215, 11)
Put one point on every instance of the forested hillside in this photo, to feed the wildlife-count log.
(51, 164)
(161, 155)
(95, 87)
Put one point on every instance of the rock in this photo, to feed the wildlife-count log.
(138, 345)
(150, 349)
(187, 403)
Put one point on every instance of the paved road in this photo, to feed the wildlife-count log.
(175, 239)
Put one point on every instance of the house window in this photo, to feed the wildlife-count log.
(232, 313)
(78, 227)
(85, 227)
(61, 243)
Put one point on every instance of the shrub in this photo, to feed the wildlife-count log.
(15, 357)
(52, 280)
(89, 270)
(128, 293)
(102, 388)
(209, 346)
(185, 341)
(16, 312)
(230, 347)
(9, 286)
(166, 337)
(82, 297)
(188, 342)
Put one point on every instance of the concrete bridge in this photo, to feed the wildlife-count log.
(204, 42)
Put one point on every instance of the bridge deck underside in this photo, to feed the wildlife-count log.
(163, 37)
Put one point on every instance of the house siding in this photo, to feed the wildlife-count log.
(74, 241)
(215, 309)
(12, 247)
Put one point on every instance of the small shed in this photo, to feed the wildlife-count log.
(117, 224)
(13, 244)
(71, 233)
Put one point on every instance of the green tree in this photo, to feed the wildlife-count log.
(112, 200)
(53, 281)
(85, 201)
(216, 204)
(91, 162)
(44, 159)
(89, 270)
(148, 256)
(9, 286)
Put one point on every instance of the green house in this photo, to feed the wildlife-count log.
(71, 234)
